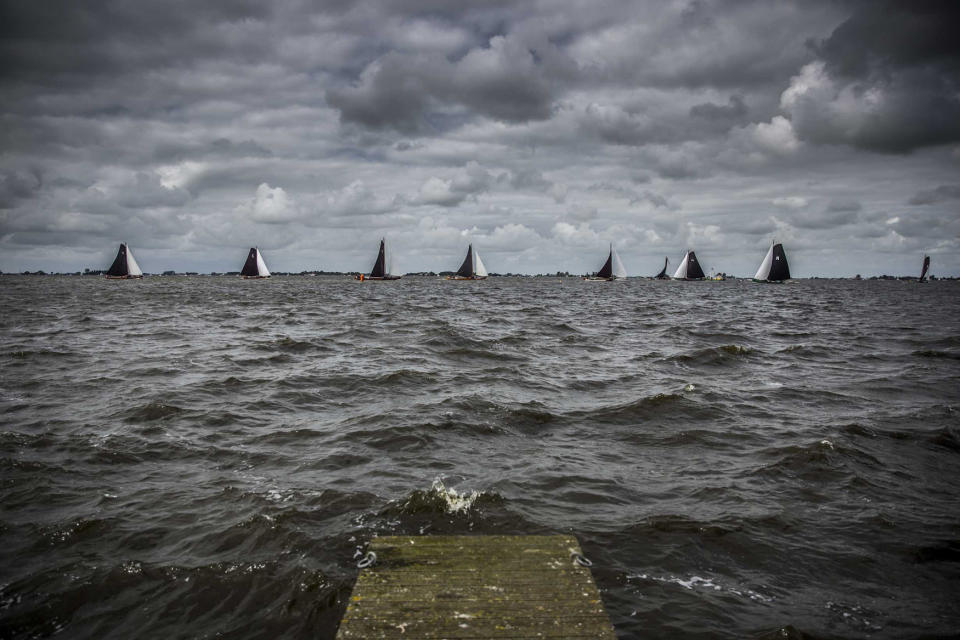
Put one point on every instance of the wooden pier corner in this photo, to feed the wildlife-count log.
(475, 587)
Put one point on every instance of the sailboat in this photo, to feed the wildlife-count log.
(381, 268)
(611, 270)
(663, 272)
(689, 268)
(254, 268)
(926, 267)
(472, 267)
(774, 267)
(124, 266)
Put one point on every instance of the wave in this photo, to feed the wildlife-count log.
(661, 406)
(818, 460)
(76, 531)
(440, 499)
(714, 356)
(152, 411)
(392, 439)
(279, 598)
(945, 551)
(23, 354)
(290, 345)
(698, 583)
(934, 353)
(947, 438)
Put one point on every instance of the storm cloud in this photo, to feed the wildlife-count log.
(540, 132)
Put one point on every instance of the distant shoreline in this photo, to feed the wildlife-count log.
(440, 274)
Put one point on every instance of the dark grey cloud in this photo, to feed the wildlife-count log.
(880, 36)
(887, 80)
(735, 111)
(18, 185)
(633, 196)
(844, 205)
(218, 148)
(503, 81)
(942, 193)
(828, 219)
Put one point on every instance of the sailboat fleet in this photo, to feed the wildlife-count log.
(773, 268)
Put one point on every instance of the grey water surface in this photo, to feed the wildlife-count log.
(206, 456)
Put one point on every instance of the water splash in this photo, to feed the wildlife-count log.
(456, 502)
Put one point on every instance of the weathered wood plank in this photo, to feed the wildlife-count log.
(475, 587)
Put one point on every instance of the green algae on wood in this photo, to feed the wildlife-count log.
(475, 587)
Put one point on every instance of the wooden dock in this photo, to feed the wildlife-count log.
(475, 587)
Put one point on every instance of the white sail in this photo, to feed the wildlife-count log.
(682, 269)
(618, 269)
(479, 270)
(262, 266)
(763, 273)
(133, 269)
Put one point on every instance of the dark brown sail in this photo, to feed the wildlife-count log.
(250, 268)
(606, 271)
(119, 266)
(466, 269)
(380, 266)
(693, 267)
(779, 270)
(663, 272)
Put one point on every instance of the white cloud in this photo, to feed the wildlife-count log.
(512, 237)
(466, 183)
(270, 205)
(580, 235)
(775, 137)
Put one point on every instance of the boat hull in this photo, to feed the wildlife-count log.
(123, 277)
(366, 278)
(588, 279)
(254, 277)
(466, 277)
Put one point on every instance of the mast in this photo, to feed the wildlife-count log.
(926, 267)
(466, 270)
(380, 266)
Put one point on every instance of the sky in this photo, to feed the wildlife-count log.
(540, 132)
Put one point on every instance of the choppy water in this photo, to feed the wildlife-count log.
(194, 457)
